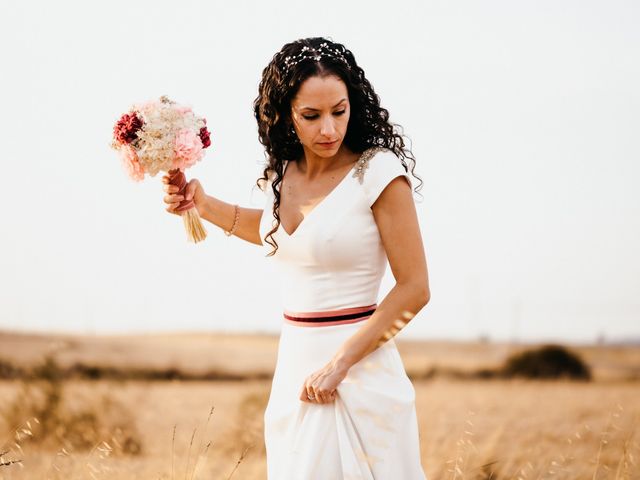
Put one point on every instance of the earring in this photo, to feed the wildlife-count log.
(292, 133)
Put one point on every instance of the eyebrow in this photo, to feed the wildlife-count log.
(316, 110)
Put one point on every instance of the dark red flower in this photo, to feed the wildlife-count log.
(205, 137)
(127, 127)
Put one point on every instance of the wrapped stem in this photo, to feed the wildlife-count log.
(187, 208)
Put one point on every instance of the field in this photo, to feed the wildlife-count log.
(112, 426)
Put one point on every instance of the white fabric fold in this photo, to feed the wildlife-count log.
(368, 433)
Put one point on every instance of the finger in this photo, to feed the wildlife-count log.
(191, 189)
(328, 396)
(303, 394)
(171, 188)
(311, 395)
(173, 198)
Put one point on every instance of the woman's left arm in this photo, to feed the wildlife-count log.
(395, 215)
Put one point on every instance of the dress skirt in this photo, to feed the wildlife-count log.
(368, 432)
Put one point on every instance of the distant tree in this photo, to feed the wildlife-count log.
(548, 361)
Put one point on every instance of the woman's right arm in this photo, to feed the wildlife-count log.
(216, 211)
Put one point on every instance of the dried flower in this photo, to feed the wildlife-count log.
(161, 135)
(125, 130)
(131, 163)
(205, 136)
(188, 149)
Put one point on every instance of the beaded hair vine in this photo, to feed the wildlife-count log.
(323, 51)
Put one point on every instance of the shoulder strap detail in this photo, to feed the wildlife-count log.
(363, 162)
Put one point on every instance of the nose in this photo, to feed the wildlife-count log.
(327, 128)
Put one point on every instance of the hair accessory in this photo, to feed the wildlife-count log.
(235, 222)
(323, 51)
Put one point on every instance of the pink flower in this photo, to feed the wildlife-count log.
(187, 148)
(131, 164)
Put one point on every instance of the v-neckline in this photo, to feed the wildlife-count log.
(304, 219)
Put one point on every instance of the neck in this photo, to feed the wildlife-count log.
(312, 165)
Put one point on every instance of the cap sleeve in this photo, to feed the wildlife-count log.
(383, 167)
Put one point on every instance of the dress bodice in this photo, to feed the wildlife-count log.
(335, 258)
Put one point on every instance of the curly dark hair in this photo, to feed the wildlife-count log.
(368, 125)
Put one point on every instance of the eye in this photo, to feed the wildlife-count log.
(309, 117)
(341, 112)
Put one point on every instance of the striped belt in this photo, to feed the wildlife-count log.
(330, 317)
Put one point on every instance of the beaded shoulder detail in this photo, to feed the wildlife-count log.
(363, 162)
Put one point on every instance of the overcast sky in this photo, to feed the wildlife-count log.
(524, 118)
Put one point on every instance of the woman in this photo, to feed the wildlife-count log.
(338, 205)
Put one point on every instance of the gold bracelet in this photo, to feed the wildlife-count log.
(235, 222)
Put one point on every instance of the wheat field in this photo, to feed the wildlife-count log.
(185, 429)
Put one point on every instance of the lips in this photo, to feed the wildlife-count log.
(328, 144)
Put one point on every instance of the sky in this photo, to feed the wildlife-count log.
(523, 117)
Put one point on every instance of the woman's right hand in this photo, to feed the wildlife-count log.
(193, 191)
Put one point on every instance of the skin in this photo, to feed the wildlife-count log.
(320, 114)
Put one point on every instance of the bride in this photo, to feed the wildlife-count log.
(338, 208)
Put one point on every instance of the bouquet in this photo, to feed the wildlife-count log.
(162, 135)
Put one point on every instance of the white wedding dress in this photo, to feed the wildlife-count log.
(330, 271)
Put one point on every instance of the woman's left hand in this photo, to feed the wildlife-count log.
(320, 386)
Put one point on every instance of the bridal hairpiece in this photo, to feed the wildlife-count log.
(323, 51)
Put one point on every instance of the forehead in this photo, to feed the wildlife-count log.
(320, 92)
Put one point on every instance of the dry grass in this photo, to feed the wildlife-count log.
(529, 430)
(470, 429)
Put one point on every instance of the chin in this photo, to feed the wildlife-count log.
(328, 152)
